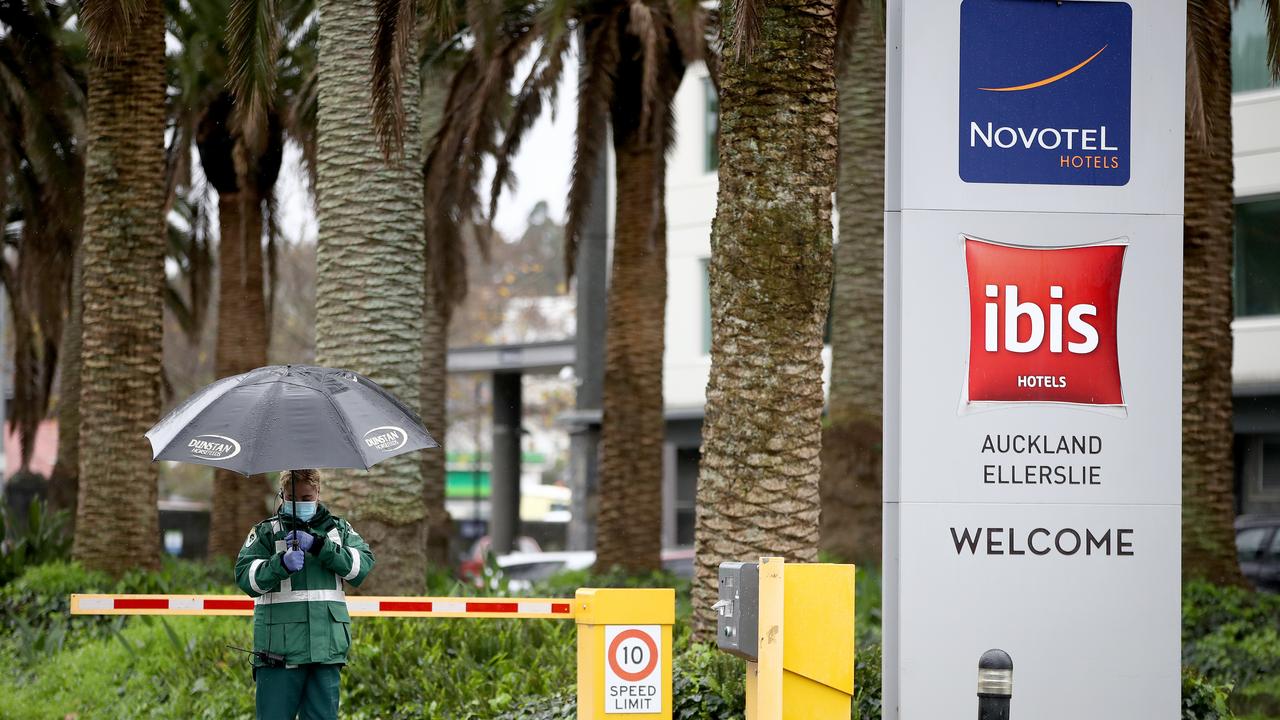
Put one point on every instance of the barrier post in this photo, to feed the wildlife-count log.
(793, 623)
(624, 652)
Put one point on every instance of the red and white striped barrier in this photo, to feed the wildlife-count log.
(357, 606)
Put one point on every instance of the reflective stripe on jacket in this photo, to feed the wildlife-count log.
(302, 616)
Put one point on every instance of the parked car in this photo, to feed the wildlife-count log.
(523, 569)
(472, 566)
(1258, 547)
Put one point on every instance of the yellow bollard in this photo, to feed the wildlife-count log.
(804, 665)
(624, 652)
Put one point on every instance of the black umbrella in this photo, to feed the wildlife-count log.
(284, 417)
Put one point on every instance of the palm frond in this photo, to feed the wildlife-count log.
(1271, 9)
(271, 214)
(1197, 119)
(538, 88)
(689, 24)
(439, 19)
(1201, 42)
(745, 30)
(643, 25)
(253, 44)
(109, 23)
(392, 46)
(595, 88)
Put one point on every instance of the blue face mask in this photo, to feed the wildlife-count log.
(300, 509)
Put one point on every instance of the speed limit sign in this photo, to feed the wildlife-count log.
(633, 669)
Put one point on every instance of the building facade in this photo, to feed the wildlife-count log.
(1256, 330)
(691, 202)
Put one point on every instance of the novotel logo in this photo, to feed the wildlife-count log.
(1045, 92)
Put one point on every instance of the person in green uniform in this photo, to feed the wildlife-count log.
(293, 565)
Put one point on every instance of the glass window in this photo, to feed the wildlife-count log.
(1249, 69)
(711, 125)
(1274, 552)
(1257, 261)
(1270, 479)
(1249, 542)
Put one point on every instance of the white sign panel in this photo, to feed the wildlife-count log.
(632, 669)
(1033, 356)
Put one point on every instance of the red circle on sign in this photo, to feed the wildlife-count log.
(613, 655)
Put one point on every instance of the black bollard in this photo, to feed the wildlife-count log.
(995, 685)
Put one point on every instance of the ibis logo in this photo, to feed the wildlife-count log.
(386, 438)
(213, 447)
(1043, 323)
(1045, 92)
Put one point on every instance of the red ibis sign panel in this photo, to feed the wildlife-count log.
(1042, 323)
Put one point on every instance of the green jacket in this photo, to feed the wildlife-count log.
(303, 616)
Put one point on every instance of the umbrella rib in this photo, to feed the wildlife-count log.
(192, 422)
(346, 423)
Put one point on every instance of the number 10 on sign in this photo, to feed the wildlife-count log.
(633, 669)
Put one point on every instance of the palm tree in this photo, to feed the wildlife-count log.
(634, 56)
(123, 284)
(370, 255)
(243, 173)
(1208, 508)
(442, 262)
(770, 280)
(46, 57)
(851, 441)
(41, 174)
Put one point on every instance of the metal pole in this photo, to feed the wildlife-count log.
(504, 463)
(475, 467)
(995, 685)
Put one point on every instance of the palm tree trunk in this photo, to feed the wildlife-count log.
(435, 394)
(238, 501)
(770, 275)
(64, 480)
(124, 243)
(1208, 509)
(851, 442)
(629, 523)
(369, 294)
(437, 311)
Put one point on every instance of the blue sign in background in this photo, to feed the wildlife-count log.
(1007, 44)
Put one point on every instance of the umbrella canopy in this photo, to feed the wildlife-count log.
(284, 417)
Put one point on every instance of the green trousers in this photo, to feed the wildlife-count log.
(306, 692)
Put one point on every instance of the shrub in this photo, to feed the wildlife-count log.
(1203, 700)
(43, 540)
(1207, 607)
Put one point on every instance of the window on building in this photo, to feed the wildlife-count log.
(1249, 69)
(711, 125)
(706, 305)
(1269, 477)
(1257, 261)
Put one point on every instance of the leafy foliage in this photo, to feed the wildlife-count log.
(1203, 700)
(152, 667)
(41, 542)
(1231, 642)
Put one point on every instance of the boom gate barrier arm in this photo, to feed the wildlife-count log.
(624, 635)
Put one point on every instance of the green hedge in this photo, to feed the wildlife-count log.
(52, 664)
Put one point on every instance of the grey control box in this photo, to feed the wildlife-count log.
(738, 609)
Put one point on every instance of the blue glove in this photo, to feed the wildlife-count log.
(293, 560)
(305, 539)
